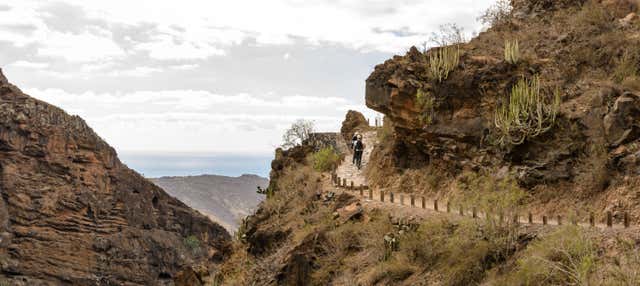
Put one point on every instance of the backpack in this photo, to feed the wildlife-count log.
(359, 146)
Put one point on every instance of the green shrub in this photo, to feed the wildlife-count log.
(443, 61)
(192, 242)
(527, 114)
(511, 51)
(565, 257)
(326, 160)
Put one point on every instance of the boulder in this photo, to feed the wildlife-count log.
(353, 122)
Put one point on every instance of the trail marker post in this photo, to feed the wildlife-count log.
(544, 220)
(391, 197)
(559, 220)
(424, 203)
(474, 212)
(435, 205)
(413, 201)
(382, 196)
(530, 218)
(609, 219)
(626, 220)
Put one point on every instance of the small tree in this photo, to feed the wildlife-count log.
(297, 133)
(499, 13)
(449, 34)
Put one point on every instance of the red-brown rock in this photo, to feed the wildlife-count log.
(72, 214)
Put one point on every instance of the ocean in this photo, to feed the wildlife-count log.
(155, 165)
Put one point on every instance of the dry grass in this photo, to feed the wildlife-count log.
(565, 257)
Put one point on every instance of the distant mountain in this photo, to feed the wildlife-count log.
(224, 199)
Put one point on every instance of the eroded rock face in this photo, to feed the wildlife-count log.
(72, 214)
(354, 122)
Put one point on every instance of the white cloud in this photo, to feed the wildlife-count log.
(185, 67)
(286, 56)
(29, 65)
(79, 48)
(135, 72)
(167, 48)
(194, 120)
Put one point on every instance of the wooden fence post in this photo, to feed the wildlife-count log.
(474, 212)
(435, 205)
(516, 219)
(352, 185)
(530, 218)
(461, 210)
(344, 182)
(371, 194)
(626, 220)
(559, 220)
(448, 207)
(609, 219)
(424, 203)
(592, 219)
(413, 201)
(402, 199)
(391, 198)
(362, 192)
(544, 220)
(382, 196)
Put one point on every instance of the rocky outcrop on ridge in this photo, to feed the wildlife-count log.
(580, 48)
(72, 214)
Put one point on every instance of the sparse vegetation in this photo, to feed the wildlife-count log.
(627, 67)
(298, 133)
(426, 102)
(192, 243)
(511, 51)
(527, 114)
(325, 160)
(626, 269)
(499, 13)
(565, 257)
(443, 61)
(448, 34)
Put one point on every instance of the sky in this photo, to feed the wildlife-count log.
(215, 77)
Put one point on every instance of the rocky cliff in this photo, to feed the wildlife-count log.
(72, 214)
(585, 51)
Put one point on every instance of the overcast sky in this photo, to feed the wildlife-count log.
(223, 76)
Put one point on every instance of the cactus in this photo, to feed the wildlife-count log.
(527, 114)
(426, 102)
(443, 61)
(511, 51)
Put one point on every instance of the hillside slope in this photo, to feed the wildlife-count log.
(72, 214)
(226, 200)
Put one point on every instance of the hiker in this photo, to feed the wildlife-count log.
(358, 149)
(354, 139)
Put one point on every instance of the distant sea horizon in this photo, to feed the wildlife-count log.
(166, 164)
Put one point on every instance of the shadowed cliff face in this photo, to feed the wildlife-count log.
(72, 214)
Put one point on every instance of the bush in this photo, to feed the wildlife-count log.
(626, 270)
(527, 114)
(443, 61)
(627, 67)
(192, 242)
(498, 14)
(326, 160)
(566, 257)
(449, 34)
(511, 51)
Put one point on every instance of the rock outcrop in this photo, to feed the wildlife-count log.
(354, 122)
(455, 131)
(72, 214)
